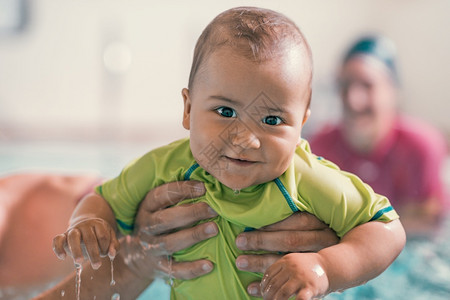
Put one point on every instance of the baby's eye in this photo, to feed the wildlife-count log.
(226, 112)
(272, 120)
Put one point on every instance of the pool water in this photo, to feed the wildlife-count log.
(422, 271)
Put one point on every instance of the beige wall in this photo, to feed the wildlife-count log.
(54, 83)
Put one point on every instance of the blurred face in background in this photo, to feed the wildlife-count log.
(369, 97)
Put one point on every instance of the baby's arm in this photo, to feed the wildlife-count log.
(92, 226)
(363, 253)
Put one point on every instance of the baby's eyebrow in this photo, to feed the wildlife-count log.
(262, 107)
(222, 98)
(275, 109)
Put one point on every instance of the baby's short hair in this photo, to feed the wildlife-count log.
(256, 33)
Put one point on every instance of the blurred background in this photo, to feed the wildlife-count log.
(113, 70)
(87, 85)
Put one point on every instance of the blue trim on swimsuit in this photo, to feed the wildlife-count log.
(124, 226)
(188, 174)
(286, 195)
(381, 212)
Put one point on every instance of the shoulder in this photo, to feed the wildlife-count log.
(181, 145)
(170, 158)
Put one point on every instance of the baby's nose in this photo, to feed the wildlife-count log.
(246, 139)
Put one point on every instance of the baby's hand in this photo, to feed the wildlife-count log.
(91, 237)
(297, 275)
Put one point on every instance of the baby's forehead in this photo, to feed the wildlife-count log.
(256, 33)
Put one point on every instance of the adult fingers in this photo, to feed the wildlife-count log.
(254, 289)
(185, 270)
(171, 193)
(299, 221)
(256, 263)
(287, 241)
(173, 218)
(59, 242)
(170, 243)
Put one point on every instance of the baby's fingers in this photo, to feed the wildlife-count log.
(92, 247)
(74, 242)
(59, 242)
(114, 245)
(105, 236)
(305, 294)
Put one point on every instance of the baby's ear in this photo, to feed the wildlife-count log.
(306, 116)
(187, 108)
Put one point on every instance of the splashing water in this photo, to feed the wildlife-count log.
(116, 296)
(113, 282)
(78, 268)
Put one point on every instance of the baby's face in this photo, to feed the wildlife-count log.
(246, 118)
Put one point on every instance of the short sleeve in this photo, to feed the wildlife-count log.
(340, 199)
(125, 192)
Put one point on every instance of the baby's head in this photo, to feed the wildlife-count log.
(248, 96)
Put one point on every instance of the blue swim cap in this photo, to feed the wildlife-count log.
(378, 47)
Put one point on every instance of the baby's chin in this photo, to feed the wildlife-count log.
(237, 185)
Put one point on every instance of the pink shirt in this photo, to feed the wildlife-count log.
(405, 166)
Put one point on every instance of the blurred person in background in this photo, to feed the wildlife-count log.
(399, 156)
(43, 202)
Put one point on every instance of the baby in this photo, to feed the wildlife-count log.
(247, 101)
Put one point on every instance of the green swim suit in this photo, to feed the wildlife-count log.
(310, 184)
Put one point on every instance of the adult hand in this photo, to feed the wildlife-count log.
(155, 239)
(301, 232)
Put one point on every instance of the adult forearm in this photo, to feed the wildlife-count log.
(363, 253)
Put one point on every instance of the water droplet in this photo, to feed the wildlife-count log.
(113, 282)
(62, 293)
(116, 296)
(169, 259)
(237, 191)
(78, 268)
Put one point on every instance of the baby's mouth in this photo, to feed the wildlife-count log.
(240, 162)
